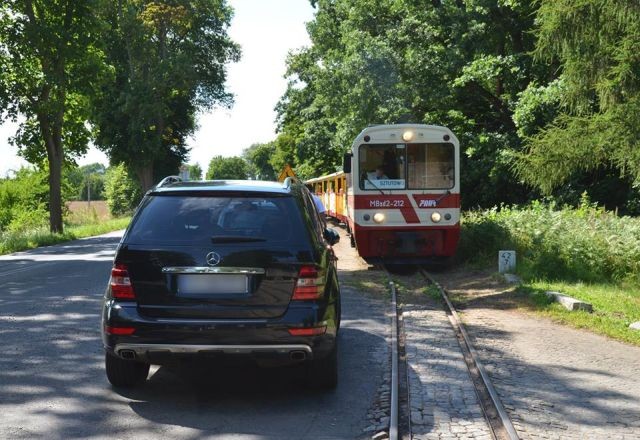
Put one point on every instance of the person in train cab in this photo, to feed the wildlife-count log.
(379, 174)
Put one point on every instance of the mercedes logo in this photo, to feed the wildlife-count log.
(213, 258)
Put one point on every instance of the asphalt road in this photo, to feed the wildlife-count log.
(53, 385)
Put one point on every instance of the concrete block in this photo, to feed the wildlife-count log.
(568, 302)
(635, 325)
(506, 261)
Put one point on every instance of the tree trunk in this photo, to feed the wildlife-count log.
(145, 177)
(55, 192)
(54, 157)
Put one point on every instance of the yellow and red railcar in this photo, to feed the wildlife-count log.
(399, 193)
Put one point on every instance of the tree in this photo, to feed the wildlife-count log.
(258, 156)
(221, 168)
(169, 62)
(597, 126)
(195, 172)
(123, 193)
(86, 181)
(49, 63)
(461, 64)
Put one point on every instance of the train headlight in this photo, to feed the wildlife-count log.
(407, 136)
(378, 217)
(436, 217)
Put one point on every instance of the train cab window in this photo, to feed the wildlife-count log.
(382, 166)
(431, 166)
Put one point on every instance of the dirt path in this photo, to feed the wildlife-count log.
(556, 382)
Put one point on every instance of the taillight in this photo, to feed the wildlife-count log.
(119, 330)
(120, 282)
(310, 284)
(308, 331)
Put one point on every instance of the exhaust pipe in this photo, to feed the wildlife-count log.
(298, 355)
(127, 354)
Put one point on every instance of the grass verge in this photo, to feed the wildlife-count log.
(584, 252)
(614, 307)
(19, 241)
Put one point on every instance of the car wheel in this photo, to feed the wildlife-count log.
(323, 373)
(124, 373)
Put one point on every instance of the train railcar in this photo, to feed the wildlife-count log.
(399, 193)
(332, 190)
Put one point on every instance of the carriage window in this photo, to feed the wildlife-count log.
(431, 166)
(382, 166)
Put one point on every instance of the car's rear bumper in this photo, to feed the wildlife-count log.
(266, 341)
(166, 352)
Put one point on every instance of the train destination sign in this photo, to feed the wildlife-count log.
(384, 184)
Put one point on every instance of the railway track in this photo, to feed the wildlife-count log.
(399, 421)
(494, 412)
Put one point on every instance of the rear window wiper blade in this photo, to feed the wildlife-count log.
(235, 239)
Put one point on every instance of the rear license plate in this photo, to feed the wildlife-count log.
(212, 284)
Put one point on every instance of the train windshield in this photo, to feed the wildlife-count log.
(382, 166)
(402, 166)
(430, 166)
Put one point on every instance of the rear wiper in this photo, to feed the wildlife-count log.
(235, 239)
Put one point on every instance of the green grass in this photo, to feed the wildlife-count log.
(432, 291)
(19, 241)
(615, 307)
(581, 244)
(585, 252)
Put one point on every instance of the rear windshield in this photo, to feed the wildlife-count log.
(192, 220)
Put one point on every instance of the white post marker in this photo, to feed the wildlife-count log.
(506, 261)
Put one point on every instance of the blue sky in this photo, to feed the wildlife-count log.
(267, 31)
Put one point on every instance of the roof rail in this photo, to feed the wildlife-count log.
(168, 180)
(289, 180)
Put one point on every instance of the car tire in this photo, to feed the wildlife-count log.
(125, 373)
(323, 373)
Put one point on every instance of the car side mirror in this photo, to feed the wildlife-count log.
(346, 162)
(331, 235)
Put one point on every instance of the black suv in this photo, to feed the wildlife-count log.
(223, 269)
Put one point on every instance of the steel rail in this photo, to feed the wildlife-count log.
(495, 399)
(393, 420)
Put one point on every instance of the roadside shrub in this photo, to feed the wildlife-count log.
(123, 193)
(585, 243)
(24, 200)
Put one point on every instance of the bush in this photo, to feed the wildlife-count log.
(587, 243)
(123, 193)
(24, 201)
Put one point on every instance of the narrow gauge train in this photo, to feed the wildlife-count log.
(399, 193)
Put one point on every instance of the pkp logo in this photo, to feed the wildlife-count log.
(428, 203)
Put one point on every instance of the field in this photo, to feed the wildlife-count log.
(82, 210)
